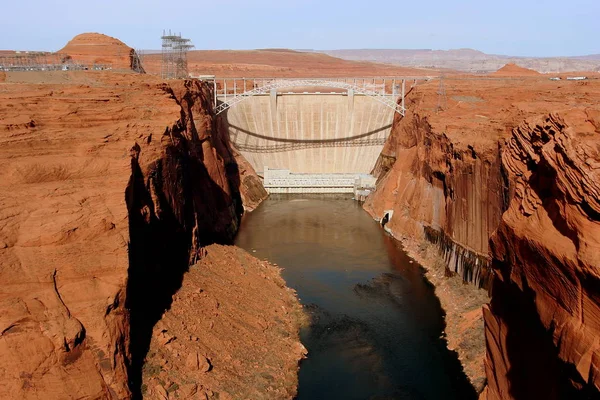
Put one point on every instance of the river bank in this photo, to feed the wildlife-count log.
(461, 303)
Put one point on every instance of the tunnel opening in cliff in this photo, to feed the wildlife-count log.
(178, 202)
(386, 218)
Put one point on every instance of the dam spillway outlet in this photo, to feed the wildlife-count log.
(285, 181)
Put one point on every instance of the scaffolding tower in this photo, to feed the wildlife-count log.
(442, 99)
(174, 56)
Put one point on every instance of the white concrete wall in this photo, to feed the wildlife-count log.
(284, 178)
(298, 134)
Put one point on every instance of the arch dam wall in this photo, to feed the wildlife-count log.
(313, 134)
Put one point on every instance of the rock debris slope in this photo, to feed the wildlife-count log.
(232, 344)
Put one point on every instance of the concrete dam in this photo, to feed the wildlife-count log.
(310, 135)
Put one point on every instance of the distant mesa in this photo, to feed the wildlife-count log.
(279, 50)
(511, 69)
(97, 48)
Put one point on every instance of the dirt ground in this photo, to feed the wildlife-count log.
(227, 334)
(280, 63)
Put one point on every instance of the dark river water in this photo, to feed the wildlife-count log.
(376, 323)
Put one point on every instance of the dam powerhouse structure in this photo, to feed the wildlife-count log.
(311, 135)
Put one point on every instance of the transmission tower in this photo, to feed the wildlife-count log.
(442, 99)
(174, 56)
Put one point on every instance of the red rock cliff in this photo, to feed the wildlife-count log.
(457, 175)
(543, 323)
(448, 194)
(94, 236)
(96, 48)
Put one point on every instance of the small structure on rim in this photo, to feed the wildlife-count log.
(174, 56)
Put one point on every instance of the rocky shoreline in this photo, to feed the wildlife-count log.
(461, 304)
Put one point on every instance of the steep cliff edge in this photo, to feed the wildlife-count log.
(447, 194)
(182, 196)
(110, 185)
(439, 191)
(543, 321)
(442, 188)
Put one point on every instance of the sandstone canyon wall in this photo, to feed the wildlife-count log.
(450, 195)
(472, 171)
(542, 324)
(440, 191)
(110, 187)
(96, 48)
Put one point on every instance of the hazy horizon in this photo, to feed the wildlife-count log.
(158, 50)
(514, 28)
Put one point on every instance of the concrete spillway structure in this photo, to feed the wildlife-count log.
(310, 132)
(315, 136)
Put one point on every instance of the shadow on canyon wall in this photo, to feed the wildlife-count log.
(536, 371)
(174, 211)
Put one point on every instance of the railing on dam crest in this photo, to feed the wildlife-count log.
(386, 90)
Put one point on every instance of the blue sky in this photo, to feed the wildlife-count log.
(522, 28)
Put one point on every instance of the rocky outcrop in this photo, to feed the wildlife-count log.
(181, 197)
(110, 186)
(98, 49)
(438, 191)
(512, 69)
(543, 321)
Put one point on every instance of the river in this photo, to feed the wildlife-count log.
(376, 323)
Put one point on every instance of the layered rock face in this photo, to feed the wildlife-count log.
(110, 186)
(454, 176)
(543, 321)
(179, 200)
(436, 190)
(448, 194)
(96, 48)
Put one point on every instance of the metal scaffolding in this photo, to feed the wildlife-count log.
(174, 56)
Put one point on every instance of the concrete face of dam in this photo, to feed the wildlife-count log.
(317, 133)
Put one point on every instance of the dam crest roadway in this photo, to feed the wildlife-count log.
(317, 135)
